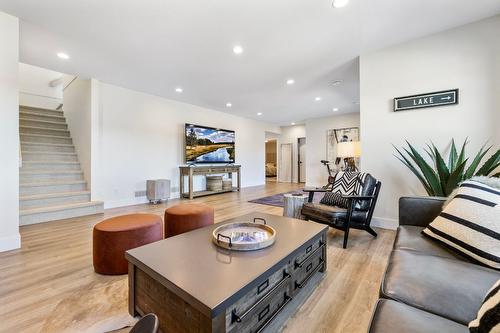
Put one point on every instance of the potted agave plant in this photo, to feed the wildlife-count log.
(440, 178)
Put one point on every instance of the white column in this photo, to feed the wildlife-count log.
(9, 133)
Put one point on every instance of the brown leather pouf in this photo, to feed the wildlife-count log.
(114, 236)
(187, 217)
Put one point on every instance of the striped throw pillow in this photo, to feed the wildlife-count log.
(488, 316)
(470, 223)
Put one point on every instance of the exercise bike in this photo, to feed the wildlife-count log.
(331, 178)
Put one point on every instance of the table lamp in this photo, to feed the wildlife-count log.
(348, 151)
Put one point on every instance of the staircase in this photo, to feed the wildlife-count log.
(51, 183)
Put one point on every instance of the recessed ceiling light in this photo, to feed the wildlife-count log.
(339, 3)
(317, 99)
(335, 109)
(237, 49)
(228, 105)
(336, 82)
(290, 81)
(63, 55)
(178, 90)
(292, 124)
(259, 113)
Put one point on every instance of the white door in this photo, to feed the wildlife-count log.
(285, 164)
(302, 160)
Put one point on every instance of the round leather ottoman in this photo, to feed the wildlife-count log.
(114, 236)
(187, 217)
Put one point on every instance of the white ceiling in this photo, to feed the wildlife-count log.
(155, 46)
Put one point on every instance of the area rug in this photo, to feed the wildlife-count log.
(277, 200)
(95, 308)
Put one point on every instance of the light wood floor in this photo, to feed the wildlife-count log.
(54, 268)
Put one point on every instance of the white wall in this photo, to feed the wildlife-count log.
(77, 110)
(291, 134)
(34, 88)
(141, 137)
(463, 58)
(9, 133)
(316, 149)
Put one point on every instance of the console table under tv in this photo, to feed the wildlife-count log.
(206, 170)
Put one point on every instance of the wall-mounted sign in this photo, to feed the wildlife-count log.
(438, 98)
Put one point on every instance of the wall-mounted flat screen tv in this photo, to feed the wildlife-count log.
(209, 145)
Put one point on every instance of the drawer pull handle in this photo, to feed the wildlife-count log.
(264, 312)
(237, 318)
(307, 278)
(308, 268)
(309, 248)
(301, 264)
(263, 286)
(287, 300)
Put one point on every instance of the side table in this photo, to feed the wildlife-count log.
(293, 205)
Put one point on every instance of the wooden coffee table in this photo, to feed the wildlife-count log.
(194, 286)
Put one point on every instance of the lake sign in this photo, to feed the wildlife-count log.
(438, 98)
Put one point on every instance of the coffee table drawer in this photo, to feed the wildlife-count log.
(256, 295)
(305, 269)
(261, 313)
(310, 249)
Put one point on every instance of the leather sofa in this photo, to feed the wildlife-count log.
(427, 287)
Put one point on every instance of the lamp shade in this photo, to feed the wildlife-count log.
(349, 149)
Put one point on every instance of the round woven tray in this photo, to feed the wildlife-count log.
(244, 236)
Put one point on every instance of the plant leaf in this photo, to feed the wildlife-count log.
(471, 170)
(452, 159)
(454, 179)
(405, 161)
(442, 169)
(427, 171)
(490, 165)
(461, 156)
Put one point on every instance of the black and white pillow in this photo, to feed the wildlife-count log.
(470, 223)
(345, 183)
(488, 316)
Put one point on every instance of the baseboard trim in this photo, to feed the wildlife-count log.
(384, 223)
(10, 242)
(143, 200)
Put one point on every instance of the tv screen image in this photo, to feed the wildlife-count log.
(209, 145)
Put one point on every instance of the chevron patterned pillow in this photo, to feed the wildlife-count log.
(345, 183)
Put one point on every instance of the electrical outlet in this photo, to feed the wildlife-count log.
(140, 194)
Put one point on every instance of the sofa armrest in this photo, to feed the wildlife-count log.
(419, 211)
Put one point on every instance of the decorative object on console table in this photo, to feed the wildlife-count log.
(440, 179)
(227, 184)
(293, 203)
(214, 183)
(249, 291)
(191, 171)
(158, 190)
(349, 150)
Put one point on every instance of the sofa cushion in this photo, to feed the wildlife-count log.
(446, 287)
(410, 238)
(470, 223)
(330, 214)
(391, 316)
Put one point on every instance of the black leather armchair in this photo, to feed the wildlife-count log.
(358, 215)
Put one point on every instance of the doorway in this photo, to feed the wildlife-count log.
(285, 164)
(271, 160)
(301, 160)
